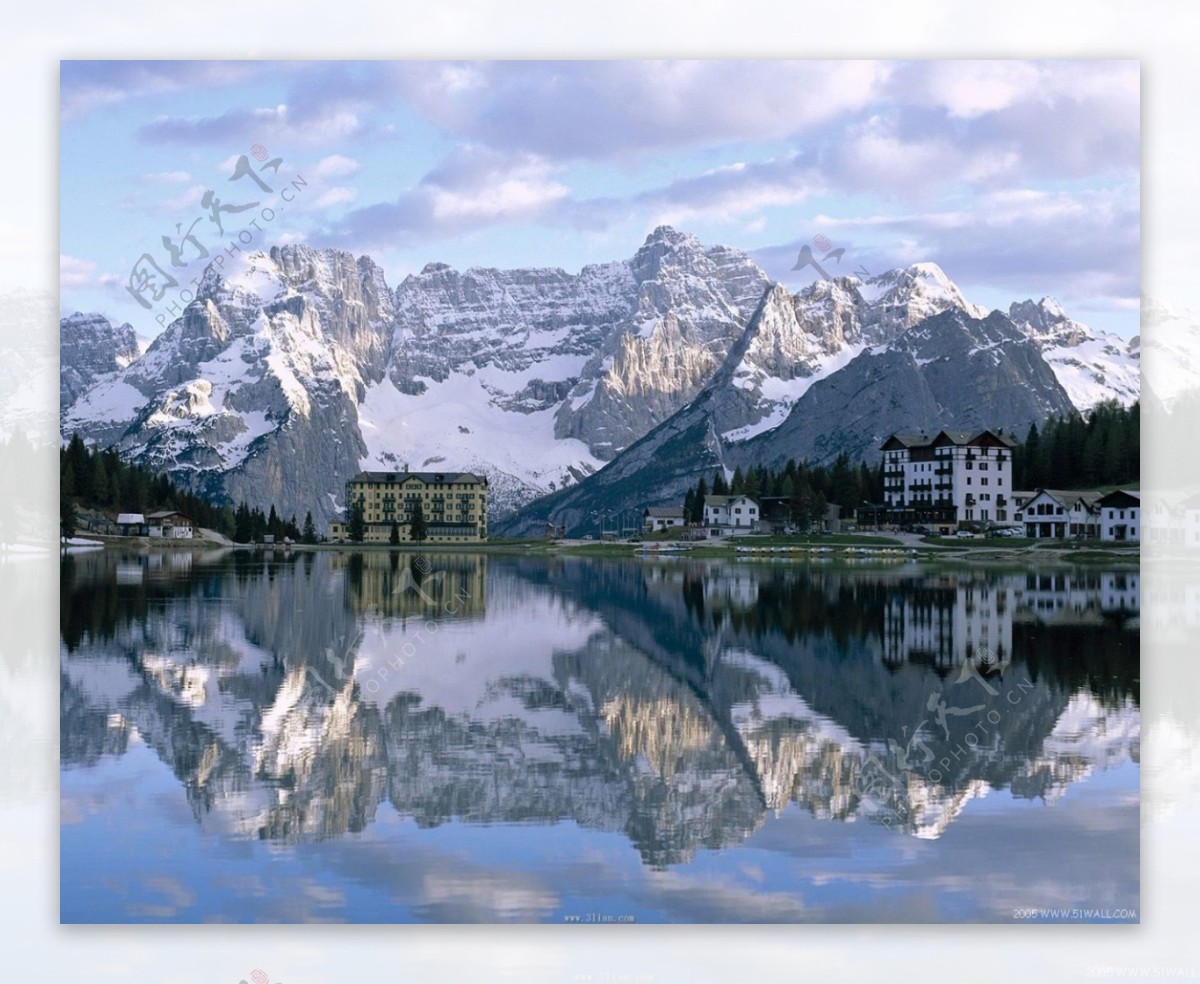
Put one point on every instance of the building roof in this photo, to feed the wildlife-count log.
(910, 440)
(130, 519)
(946, 436)
(725, 500)
(1121, 498)
(665, 512)
(446, 478)
(166, 514)
(1070, 496)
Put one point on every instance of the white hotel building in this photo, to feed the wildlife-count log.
(948, 478)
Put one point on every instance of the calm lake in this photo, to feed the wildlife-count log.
(395, 737)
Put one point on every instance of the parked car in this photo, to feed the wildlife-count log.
(965, 535)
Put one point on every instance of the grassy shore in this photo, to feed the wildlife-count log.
(851, 547)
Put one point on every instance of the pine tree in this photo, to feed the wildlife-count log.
(752, 485)
(101, 492)
(737, 485)
(66, 516)
(310, 531)
(241, 524)
(719, 485)
(1028, 477)
(356, 525)
(417, 529)
(394, 534)
(81, 465)
(689, 505)
(701, 495)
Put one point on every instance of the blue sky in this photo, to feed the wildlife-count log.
(1021, 179)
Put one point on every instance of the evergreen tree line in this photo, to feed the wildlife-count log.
(1081, 451)
(100, 479)
(807, 489)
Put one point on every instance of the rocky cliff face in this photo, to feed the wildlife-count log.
(689, 306)
(1092, 366)
(253, 393)
(293, 369)
(90, 347)
(949, 370)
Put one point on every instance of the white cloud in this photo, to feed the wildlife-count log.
(75, 273)
(336, 195)
(335, 166)
(167, 177)
(972, 88)
(265, 125)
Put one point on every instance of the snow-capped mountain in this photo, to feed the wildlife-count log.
(1092, 366)
(294, 368)
(91, 347)
(949, 370)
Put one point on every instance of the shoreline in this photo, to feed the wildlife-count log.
(846, 548)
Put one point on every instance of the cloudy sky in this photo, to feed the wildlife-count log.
(1020, 179)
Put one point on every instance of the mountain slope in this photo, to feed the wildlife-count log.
(90, 346)
(949, 370)
(1092, 366)
(253, 393)
(293, 369)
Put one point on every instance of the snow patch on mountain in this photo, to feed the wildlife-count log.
(780, 395)
(1091, 366)
(456, 424)
(294, 368)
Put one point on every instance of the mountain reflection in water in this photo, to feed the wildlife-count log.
(676, 702)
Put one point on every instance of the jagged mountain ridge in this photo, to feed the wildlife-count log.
(1092, 366)
(91, 347)
(950, 369)
(294, 368)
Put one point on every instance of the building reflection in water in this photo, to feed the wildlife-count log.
(680, 702)
(399, 583)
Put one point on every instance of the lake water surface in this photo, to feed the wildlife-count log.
(395, 737)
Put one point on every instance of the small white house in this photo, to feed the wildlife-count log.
(1056, 514)
(725, 514)
(1121, 516)
(170, 525)
(663, 518)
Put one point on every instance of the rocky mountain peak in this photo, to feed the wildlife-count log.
(1047, 323)
(294, 368)
(90, 346)
(667, 252)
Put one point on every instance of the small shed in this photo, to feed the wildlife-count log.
(130, 524)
